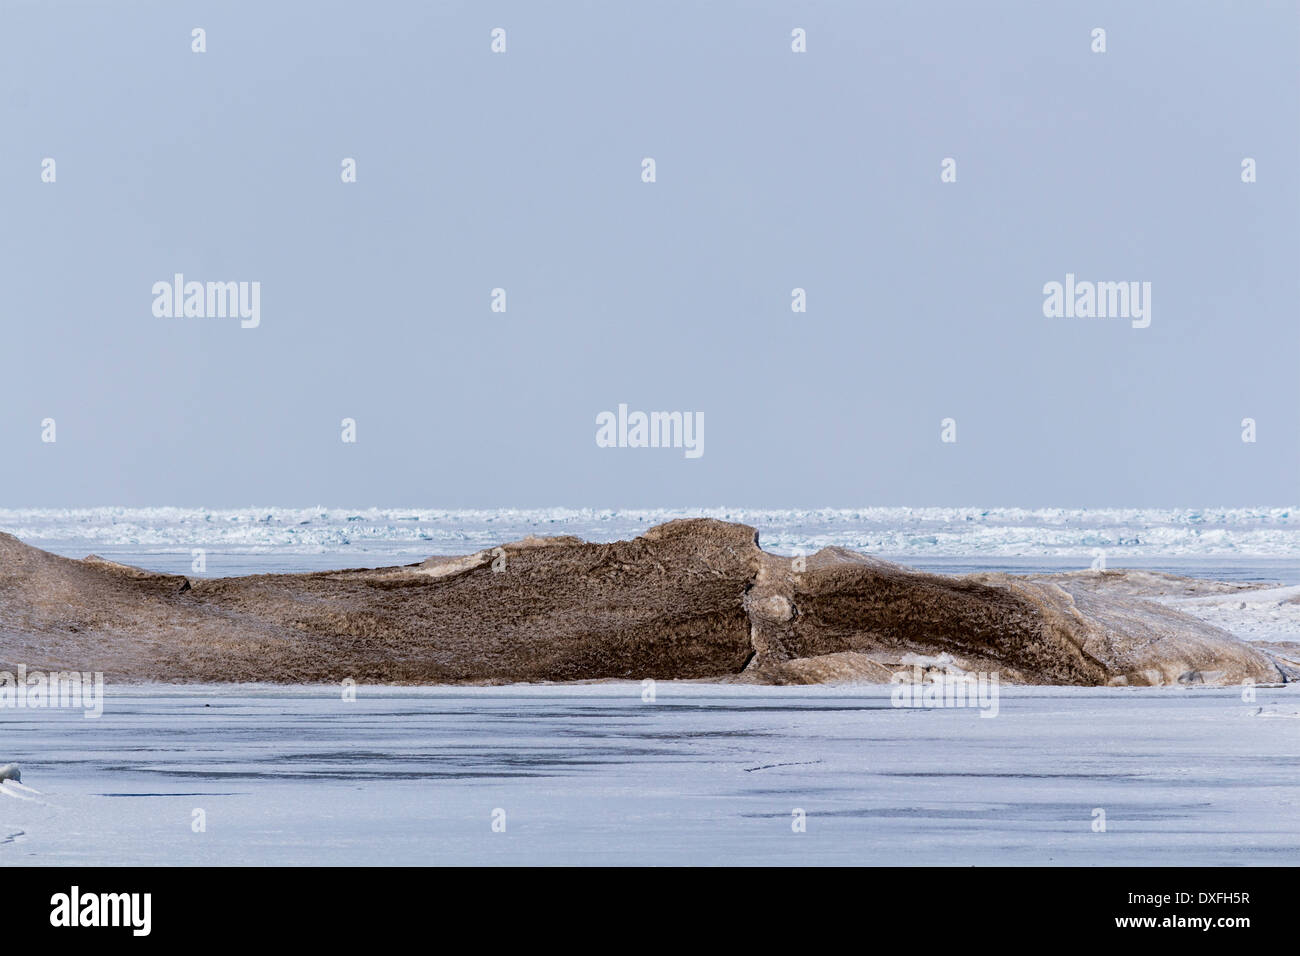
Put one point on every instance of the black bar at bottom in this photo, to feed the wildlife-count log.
(365, 906)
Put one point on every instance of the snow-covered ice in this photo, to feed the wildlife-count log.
(1069, 534)
(704, 774)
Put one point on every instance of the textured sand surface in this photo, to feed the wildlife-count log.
(690, 599)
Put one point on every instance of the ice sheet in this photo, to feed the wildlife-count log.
(1123, 533)
(704, 774)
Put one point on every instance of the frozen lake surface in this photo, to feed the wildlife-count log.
(706, 774)
(242, 540)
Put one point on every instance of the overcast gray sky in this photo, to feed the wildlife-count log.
(775, 170)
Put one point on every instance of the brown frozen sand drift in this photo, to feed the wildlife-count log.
(690, 599)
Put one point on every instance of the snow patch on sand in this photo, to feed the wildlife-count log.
(1262, 614)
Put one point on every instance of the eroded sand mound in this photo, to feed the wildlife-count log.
(695, 598)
